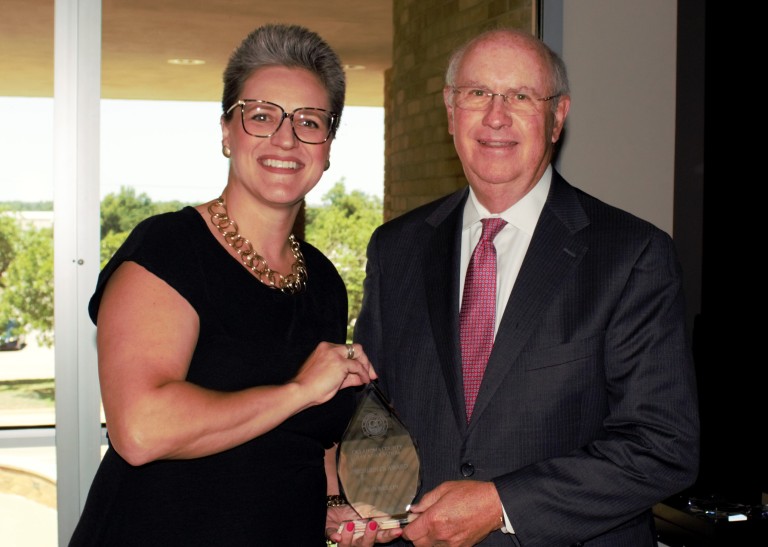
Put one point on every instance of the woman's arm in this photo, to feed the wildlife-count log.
(146, 337)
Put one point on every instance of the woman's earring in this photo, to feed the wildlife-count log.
(327, 164)
(226, 151)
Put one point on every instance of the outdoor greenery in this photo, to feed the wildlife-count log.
(27, 280)
(26, 393)
(7, 247)
(340, 227)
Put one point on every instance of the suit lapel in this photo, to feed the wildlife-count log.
(555, 250)
(441, 282)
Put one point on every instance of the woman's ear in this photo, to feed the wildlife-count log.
(225, 150)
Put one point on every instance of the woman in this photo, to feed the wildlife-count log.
(222, 362)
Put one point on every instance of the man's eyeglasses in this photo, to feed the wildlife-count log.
(478, 98)
(263, 119)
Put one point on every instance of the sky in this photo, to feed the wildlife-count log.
(168, 150)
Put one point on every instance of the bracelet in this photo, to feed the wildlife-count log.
(335, 500)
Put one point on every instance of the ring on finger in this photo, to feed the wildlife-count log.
(350, 351)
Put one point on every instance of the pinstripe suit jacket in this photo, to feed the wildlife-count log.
(587, 413)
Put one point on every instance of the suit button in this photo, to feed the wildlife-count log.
(467, 469)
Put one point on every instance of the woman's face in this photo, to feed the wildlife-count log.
(279, 169)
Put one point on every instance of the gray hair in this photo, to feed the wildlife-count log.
(557, 71)
(289, 46)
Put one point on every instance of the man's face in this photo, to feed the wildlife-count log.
(501, 144)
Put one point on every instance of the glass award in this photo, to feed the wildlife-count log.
(378, 462)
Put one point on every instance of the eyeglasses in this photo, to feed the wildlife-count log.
(263, 119)
(478, 98)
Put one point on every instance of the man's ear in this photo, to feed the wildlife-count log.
(448, 100)
(561, 112)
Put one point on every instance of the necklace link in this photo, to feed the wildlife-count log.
(293, 283)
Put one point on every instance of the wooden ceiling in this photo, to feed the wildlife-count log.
(139, 37)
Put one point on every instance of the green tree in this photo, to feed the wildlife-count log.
(341, 228)
(28, 282)
(110, 243)
(9, 232)
(122, 211)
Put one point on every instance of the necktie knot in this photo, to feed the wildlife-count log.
(491, 228)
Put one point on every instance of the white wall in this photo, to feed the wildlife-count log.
(620, 133)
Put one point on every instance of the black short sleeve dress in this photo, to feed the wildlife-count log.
(269, 491)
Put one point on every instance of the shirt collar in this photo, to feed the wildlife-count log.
(523, 215)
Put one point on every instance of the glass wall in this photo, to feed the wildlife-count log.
(28, 515)
(50, 59)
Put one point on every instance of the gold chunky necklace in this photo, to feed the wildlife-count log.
(293, 283)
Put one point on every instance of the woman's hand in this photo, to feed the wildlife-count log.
(331, 367)
(355, 532)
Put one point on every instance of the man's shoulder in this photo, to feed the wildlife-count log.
(581, 207)
(432, 213)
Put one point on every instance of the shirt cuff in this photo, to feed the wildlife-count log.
(506, 527)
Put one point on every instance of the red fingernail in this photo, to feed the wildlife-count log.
(373, 525)
(350, 526)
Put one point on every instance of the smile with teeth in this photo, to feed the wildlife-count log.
(281, 164)
(496, 143)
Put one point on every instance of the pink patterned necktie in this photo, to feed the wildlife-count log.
(477, 318)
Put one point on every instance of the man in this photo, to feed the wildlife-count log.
(586, 412)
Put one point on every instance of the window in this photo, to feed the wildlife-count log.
(69, 148)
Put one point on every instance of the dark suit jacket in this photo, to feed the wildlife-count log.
(587, 413)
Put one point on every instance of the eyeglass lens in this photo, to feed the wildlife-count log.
(262, 119)
(471, 98)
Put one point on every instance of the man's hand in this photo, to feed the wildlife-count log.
(455, 514)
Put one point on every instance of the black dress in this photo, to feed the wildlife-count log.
(269, 491)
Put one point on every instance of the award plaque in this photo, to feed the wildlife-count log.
(378, 462)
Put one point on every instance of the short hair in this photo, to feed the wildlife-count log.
(289, 46)
(558, 72)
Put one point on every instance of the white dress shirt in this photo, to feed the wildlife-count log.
(511, 245)
(511, 242)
